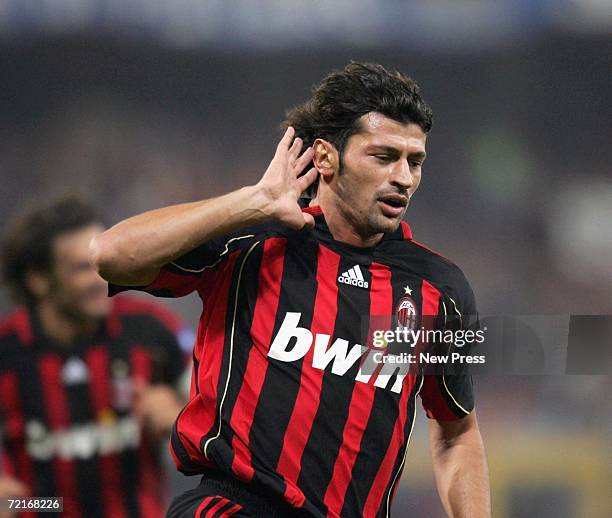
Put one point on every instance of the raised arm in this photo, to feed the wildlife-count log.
(133, 251)
(460, 467)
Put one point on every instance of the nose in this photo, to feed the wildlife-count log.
(401, 175)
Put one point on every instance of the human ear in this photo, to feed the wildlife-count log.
(325, 159)
(37, 283)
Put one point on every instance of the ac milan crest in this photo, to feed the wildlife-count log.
(406, 313)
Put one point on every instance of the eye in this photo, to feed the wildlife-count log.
(415, 163)
(384, 158)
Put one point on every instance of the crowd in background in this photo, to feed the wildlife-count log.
(517, 190)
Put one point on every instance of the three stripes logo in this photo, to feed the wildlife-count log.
(354, 277)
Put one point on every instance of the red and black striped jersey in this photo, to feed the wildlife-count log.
(66, 413)
(278, 398)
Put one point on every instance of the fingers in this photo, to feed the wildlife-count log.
(303, 161)
(295, 149)
(305, 180)
(285, 142)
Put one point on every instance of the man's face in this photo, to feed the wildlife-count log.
(382, 170)
(75, 288)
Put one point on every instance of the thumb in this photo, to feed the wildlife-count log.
(309, 221)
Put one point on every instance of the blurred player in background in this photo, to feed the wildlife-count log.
(282, 421)
(88, 384)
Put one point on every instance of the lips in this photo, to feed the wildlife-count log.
(395, 200)
(392, 205)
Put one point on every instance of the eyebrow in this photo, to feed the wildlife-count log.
(394, 151)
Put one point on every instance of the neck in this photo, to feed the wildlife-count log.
(342, 226)
(60, 327)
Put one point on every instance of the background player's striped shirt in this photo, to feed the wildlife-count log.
(278, 397)
(66, 412)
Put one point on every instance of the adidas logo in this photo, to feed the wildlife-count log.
(354, 277)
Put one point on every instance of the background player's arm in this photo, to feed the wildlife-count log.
(10, 487)
(158, 405)
(460, 467)
(132, 252)
(158, 401)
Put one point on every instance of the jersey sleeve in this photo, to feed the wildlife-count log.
(189, 272)
(449, 396)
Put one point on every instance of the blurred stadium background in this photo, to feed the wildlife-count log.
(139, 104)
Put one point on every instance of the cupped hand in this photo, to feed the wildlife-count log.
(281, 184)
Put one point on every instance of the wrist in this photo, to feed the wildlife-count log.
(260, 202)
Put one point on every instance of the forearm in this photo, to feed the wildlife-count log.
(461, 471)
(158, 406)
(133, 251)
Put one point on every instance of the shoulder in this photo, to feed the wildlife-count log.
(262, 232)
(274, 229)
(15, 335)
(149, 323)
(213, 253)
(441, 267)
(127, 308)
(250, 237)
(247, 237)
(15, 328)
(438, 270)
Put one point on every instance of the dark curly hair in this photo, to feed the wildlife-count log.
(344, 96)
(28, 243)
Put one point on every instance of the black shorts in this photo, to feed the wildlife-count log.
(222, 496)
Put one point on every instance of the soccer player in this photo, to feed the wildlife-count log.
(282, 420)
(87, 383)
